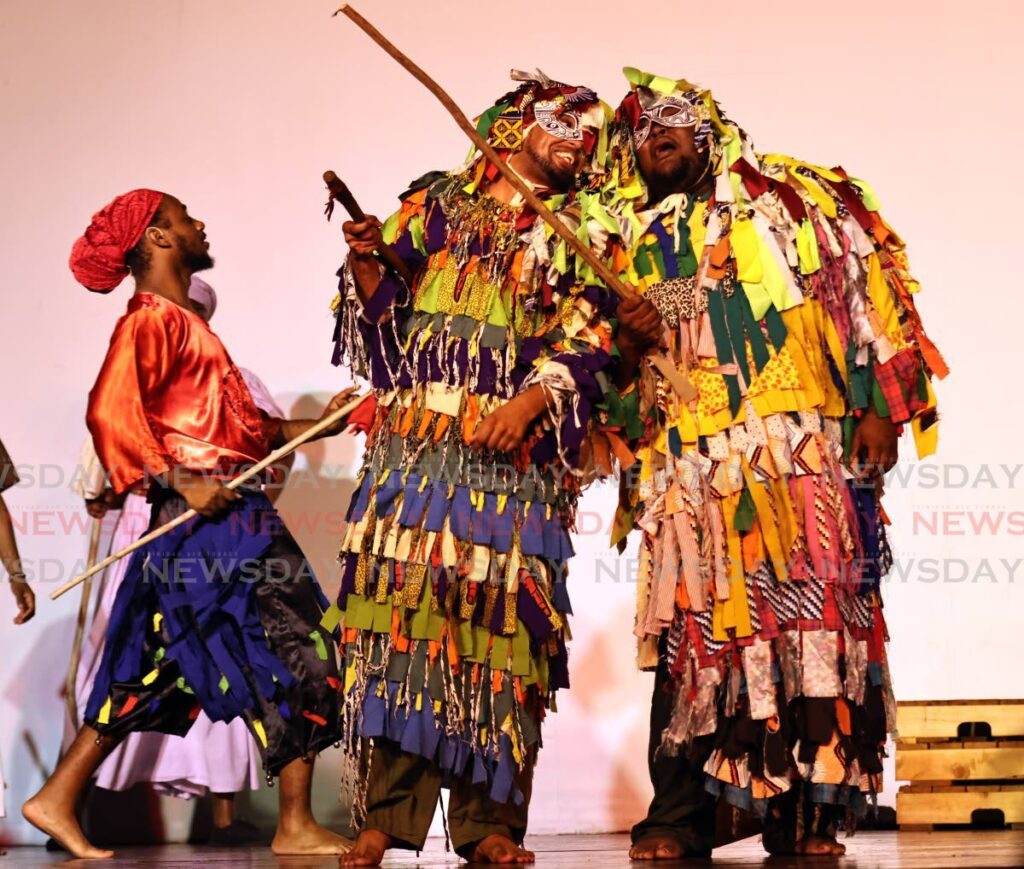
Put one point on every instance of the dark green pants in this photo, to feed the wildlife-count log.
(403, 792)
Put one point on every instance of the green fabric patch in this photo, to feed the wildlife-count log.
(331, 617)
(642, 262)
(758, 346)
(675, 442)
(716, 313)
(878, 400)
(359, 612)
(734, 321)
(321, 646)
(417, 232)
(777, 330)
(746, 512)
(522, 660)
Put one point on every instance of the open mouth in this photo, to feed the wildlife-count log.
(564, 156)
(665, 146)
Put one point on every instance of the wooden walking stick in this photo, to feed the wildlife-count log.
(664, 365)
(340, 191)
(70, 698)
(262, 465)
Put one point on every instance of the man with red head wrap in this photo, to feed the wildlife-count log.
(222, 615)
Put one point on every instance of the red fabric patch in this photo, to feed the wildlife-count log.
(129, 705)
(361, 418)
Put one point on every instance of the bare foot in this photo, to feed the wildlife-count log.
(368, 850)
(62, 825)
(820, 846)
(311, 839)
(656, 848)
(500, 849)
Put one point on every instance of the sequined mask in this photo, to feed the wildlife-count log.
(554, 118)
(668, 111)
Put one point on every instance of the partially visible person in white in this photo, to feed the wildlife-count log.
(214, 756)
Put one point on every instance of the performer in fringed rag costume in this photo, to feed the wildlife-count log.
(222, 614)
(788, 304)
(488, 370)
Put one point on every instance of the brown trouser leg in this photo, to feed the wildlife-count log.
(403, 792)
(473, 815)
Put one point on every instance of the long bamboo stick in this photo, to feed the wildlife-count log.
(536, 203)
(660, 361)
(275, 456)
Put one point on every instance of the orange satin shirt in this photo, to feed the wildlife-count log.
(168, 394)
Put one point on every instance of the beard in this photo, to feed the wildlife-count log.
(676, 176)
(556, 174)
(194, 255)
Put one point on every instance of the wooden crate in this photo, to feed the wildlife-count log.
(940, 719)
(960, 761)
(954, 775)
(925, 805)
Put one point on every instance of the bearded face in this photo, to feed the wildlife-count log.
(670, 161)
(550, 160)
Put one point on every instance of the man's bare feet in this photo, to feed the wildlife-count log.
(308, 839)
(500, 849)
(820, 846)
(62, 825)
(656, 848)
(368, 850)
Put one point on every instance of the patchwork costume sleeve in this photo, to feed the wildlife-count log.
(890, 358)
(370, 337)
(571, 358)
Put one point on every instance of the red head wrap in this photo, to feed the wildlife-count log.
(97, 258)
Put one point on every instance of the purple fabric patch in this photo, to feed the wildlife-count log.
(414, 502)
(360, 499)
(531, 533)
(502, 526)
(387, 492)
(531, 615)
(438, 508)
(461, 514)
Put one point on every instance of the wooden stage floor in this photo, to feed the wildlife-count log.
(866, 850)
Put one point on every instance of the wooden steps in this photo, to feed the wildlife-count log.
(964, 761)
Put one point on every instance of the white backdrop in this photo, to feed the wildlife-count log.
(237, 107)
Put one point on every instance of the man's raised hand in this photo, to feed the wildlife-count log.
(363, 236)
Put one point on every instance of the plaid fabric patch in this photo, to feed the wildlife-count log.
(897, 380)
